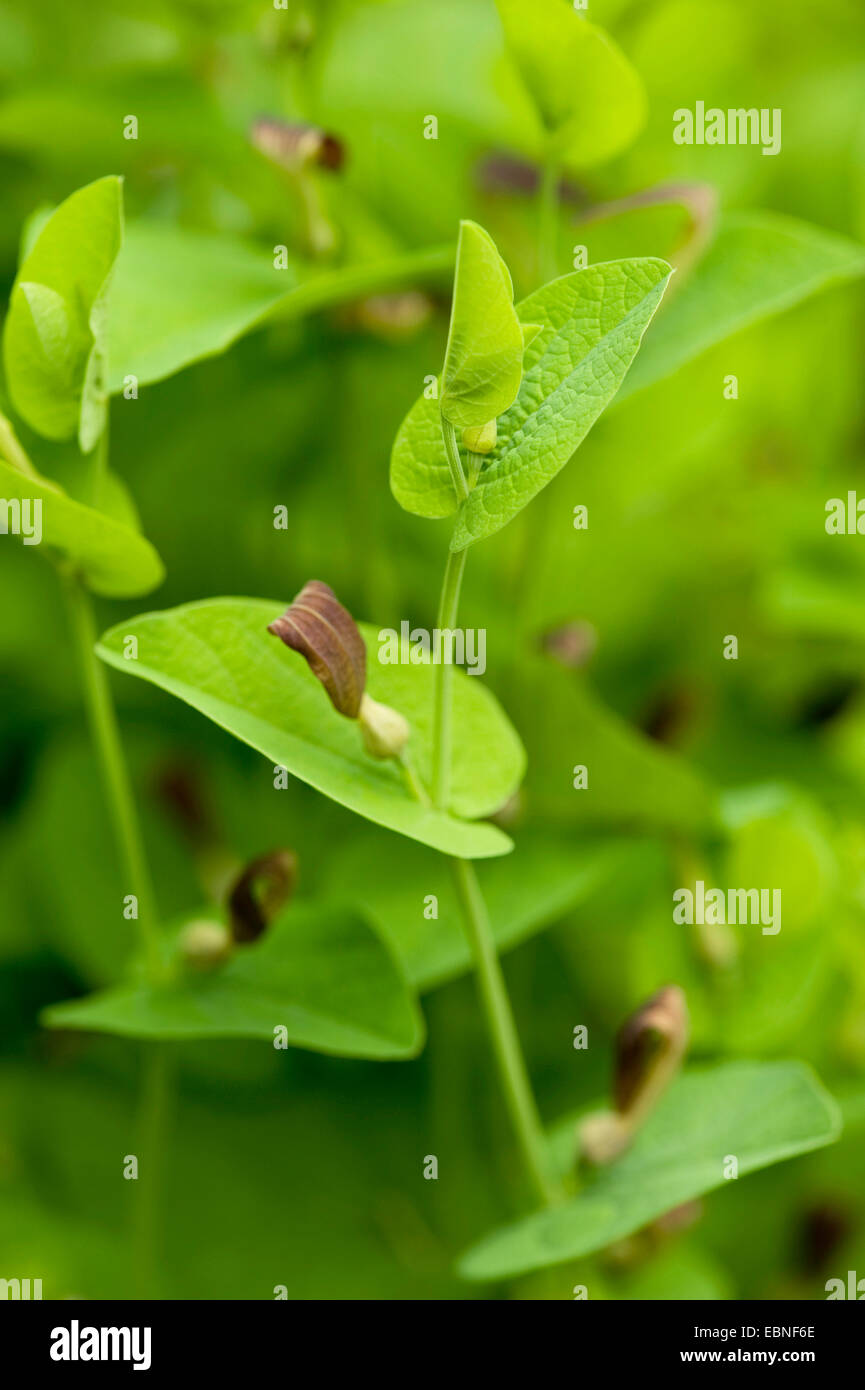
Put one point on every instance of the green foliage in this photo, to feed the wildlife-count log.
(635, 782)
(757, 265)
(539, 883)
(54, 338)
(573, 72)
(240, 388)
(113, 558)
(592, 325)
(180, 296)
(754, 1113)
(483, 357)
(218, 657)
(319, 973)
(592, 329)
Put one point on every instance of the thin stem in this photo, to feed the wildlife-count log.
(493, 991)
(458, 477)
(156, 1089)
(475, 464)
(548, 219)
(156, 1081)
(502, 1030)
(447, 617)
(103, 723)
(99, 459)
(413, 782)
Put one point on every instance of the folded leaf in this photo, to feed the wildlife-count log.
(588, 97)
(756, 1113)
(219, 658)
(114, 559)
(320, 973)
(45, 372)
(484, 354)
(592, 325)
(54, 338)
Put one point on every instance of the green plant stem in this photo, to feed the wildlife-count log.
(156, 1090)
(496, 1005)
(548, 219)
(155, 1061)
(99, 461)
(413, 782)
(502, 1029)
(475, 463)
(156, 1078)
(103, 723)
(458, 477)
(442, 702)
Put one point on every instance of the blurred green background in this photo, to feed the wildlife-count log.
(706, 518)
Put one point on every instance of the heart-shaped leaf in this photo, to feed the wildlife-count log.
(484, 354)
(219, 658)
(322, 974)
(592, 324)
(54, 338)
(752, 1112)
(589, 99)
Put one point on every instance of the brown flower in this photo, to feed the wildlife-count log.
(649, 1047)
(316, 625)
(649, 1051)
(259, 892)
(295, 145)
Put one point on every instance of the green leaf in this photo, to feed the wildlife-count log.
(524, 892)
(219, 658)
(760, 1113)
(180, 296)
(593, 322)
(484, 354)
(54, 338)
(759, 264)
(43, 375)
(420, 478)
(588, 97)
(114, 560)
(634, 782)
(321, 973)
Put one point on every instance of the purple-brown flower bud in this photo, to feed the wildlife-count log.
(649, 1051)
(393, 317)
(259, 892)
(649, 1047)
(316, 625)
(295, 145)
(571, 645)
